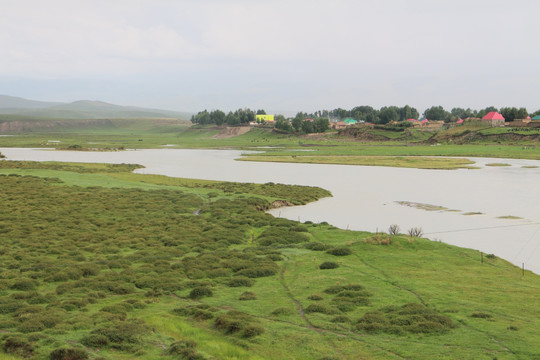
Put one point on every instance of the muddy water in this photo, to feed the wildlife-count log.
(365, 198)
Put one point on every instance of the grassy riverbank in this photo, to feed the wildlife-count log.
(378, 147)
(114, 265)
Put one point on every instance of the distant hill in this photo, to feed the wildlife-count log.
(83, 109)
(12, 102)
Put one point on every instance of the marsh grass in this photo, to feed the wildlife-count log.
(111, 268)
(509, 217)
(419, 162)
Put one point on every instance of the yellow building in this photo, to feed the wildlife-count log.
(267, 118)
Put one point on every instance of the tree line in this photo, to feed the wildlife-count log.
(298, 124)
(320, 120)
(509, 113)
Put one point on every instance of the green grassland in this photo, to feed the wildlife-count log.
(408, 147)
(100, 263)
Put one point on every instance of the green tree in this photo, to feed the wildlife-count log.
(297, 123)
(339, 113)
(245, 116)
(484, 112)
(307, 127)
(283, 124)
(218, 117)
(388, 114)
(366, 113)
(462, 113)
(513, 113)
(437, 113)
(232, 119)
(202, 117)
(321, 125)
(408, 112)
(522, 113)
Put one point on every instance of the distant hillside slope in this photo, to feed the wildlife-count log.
(12, 102)
(83, 109)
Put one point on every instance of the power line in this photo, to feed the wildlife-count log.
(537, 245)
(482, 228)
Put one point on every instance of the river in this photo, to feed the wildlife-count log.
(366, 198)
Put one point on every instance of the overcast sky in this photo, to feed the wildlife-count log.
(282, 55)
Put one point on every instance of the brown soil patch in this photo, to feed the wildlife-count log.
(231, 131)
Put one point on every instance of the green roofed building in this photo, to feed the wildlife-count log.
(350, 122)
(536, 118)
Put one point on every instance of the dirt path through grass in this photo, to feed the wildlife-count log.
(319, 330)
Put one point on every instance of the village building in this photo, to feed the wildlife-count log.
(338, 125)
(265, 118)
(494, 119)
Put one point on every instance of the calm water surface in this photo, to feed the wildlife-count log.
(365, 198)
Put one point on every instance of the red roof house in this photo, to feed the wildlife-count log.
(494, 118)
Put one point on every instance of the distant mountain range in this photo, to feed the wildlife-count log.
(83, 109)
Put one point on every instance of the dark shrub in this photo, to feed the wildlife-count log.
(316, 246)
(240, 281)
(274, 257)
(282, 311)
(145, 282)
(221, 272)
(413, 318)
(232, 321)
(180, 347)
(24, 285)
(31, 325)
(315, 297)
(345, 306)
(49, 320)
(426, 327)
(200, 292)
(8, 306)
(89, 270)
(318, 308)
(200, 314)
(115, 309)
(328, 265)
(339, 251)
(95, 340)
(68, 354)
(248, 295)
(257, 272)
(481, 315)
(18, 346)
(252, 331)
(341, 319)
(372, 322)
(339, 288)
(120, 332)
